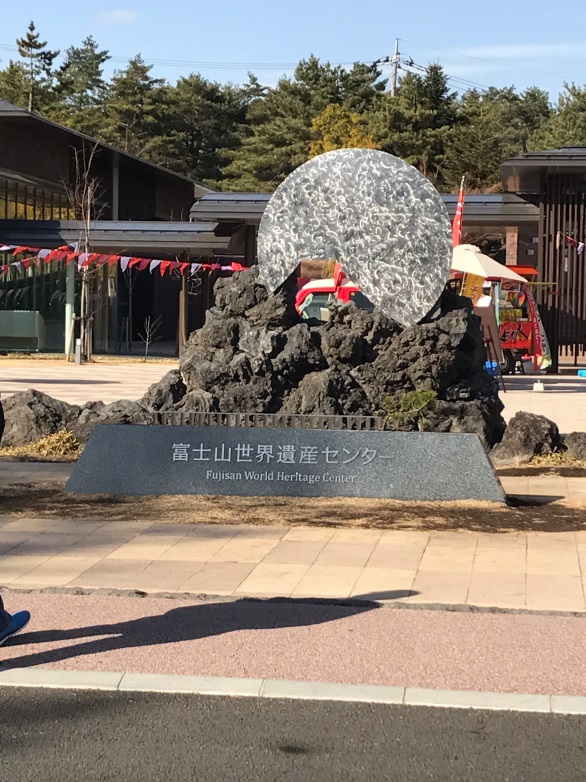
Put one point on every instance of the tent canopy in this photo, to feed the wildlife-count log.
(468, 259)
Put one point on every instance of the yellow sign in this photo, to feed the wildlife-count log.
(472, 287)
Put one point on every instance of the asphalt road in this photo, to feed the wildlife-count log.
(61, 736)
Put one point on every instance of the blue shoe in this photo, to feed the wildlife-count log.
(18, 621)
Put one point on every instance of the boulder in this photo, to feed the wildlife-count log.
(198, 401)
(575, 444)
(121, 412)
(526, 436)
(165, 394)
(31, 415)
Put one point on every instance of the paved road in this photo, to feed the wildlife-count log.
(62, 736)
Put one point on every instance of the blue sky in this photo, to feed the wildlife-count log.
(500, 43)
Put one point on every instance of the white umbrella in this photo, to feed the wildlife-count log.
(468, 259)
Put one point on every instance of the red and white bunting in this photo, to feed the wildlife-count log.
(70, 253)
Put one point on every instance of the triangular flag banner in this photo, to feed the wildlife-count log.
(124, 261)
(153, 265)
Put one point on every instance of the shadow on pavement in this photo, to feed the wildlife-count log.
(189, 623)
(532, 500)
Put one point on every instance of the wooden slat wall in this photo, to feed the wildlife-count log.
(562, 298)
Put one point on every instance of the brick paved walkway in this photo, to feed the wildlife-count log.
(534, 570)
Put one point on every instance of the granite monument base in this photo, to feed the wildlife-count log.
(127, 460)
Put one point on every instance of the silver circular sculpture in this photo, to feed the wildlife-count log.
(376, 215)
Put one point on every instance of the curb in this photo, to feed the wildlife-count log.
(351, 602)
(47, 678)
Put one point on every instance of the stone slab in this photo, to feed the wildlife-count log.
(127, 460)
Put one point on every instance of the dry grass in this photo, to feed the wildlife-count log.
(50, 501)
(58, 447)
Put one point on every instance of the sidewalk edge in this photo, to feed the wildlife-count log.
(271, 689)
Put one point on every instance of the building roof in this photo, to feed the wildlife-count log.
(135, 237)
(524, 173)
(11, 113)
(482, 210)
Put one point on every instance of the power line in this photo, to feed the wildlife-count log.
(482, 59)
(457, 79)
(204, 65)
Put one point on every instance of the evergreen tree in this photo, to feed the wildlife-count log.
(81, 88)
(494, 126)
(14, 84)
(199, 118)
(38, 65)
(276, 137)
(566, 125)
(133, 120)
(416, 124)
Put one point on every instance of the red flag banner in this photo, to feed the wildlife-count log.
(459, 216)
(541, 349)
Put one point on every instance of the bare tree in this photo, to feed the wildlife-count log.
(84, 198)
(150, 335)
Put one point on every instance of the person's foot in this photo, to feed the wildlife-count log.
(18, 621)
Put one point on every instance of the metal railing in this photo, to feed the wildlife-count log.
(368, 423)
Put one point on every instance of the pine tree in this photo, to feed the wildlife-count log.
(276, 137)
(14, 84)
(566, 125)
(39, 64)
(133, 119)
(81, 88)
(416, 124)
(199, 118)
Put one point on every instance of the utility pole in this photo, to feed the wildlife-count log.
(395, 71)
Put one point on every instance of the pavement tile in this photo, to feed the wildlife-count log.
(345, 554)
(111, 574)
(30, 525)
(364, 536)
(14, 567)
(328, 581)
(500, 560)
(553, 563)
(385, 556)
(379, 583)
(218, 578)
(453, 539)
(500, 540)
(193, 549)
(244, 550)
(9, 540)
(89, 546)
(309, 534)
(57, 571)
(260, 532)
(46, 543)
(555, 592)
(404, 537)
(441, 559)
(440, 588)
(212, 531)
(163, 576)
(145, 547)
(272, 579)
(79, 526)
(506, 590)
(293, 552)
